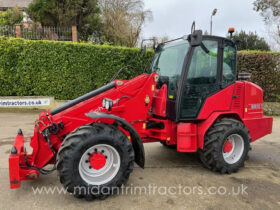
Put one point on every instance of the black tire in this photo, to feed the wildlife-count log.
(77, 143)
(212, 154)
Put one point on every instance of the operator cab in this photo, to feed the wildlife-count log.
(193, 68)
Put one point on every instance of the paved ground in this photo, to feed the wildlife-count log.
(178, 180)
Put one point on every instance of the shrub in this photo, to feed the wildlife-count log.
(265, 70)
(62, 69)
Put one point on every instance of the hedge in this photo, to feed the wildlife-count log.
(67, 70)
(62, 69)
(265, 71)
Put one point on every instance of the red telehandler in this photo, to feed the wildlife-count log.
(190, 98)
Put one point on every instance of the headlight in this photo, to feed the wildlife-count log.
(107, 104)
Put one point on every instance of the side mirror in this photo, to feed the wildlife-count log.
(195, 38)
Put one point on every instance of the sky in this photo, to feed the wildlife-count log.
(173, 18)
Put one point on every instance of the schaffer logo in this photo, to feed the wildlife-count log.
(256, 106)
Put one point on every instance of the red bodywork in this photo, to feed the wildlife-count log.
(139, 102)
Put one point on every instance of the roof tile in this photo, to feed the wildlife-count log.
(13, 3)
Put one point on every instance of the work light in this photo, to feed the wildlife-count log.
(107, 104)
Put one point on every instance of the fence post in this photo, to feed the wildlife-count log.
(74, 34)
(18, 31)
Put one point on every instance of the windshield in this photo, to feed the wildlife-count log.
(168, 62)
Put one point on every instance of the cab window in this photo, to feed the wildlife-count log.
(229, 64)
(201, 79)
(168, 63)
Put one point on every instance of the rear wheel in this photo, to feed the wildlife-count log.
(226, 146)
(94, 161)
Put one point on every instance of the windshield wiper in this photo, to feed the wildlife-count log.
(204, 48)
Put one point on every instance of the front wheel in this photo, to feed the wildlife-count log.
(94, 161)
(226, 146)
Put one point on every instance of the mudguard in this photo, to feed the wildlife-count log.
(136, 140)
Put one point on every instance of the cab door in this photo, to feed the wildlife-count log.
(200, 79)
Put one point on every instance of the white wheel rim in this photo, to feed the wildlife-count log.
(237, 150)
(107, 172)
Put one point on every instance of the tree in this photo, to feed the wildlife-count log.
(64, 13)
(123, 21)
(270, 11)
(250, 41)
(11, 17)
